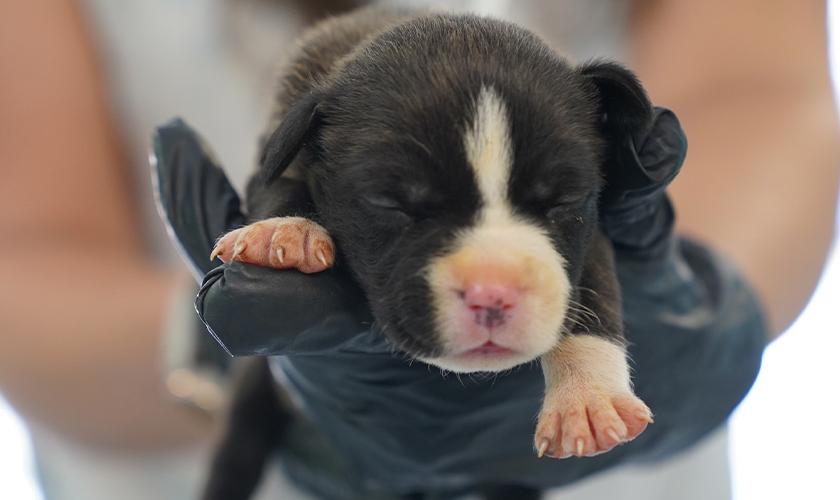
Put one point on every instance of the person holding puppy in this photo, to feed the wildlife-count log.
(88, 370)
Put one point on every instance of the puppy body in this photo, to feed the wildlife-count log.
(452, 164)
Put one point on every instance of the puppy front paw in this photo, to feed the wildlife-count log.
(280, 242)
(581, 421)
(589, 405)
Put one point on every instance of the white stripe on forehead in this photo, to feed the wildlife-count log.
(489, 147)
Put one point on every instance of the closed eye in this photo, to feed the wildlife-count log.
(390, 206)
(571, 203)
(570, 200)
(383, 202)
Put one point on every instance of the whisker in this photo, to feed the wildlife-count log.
(589, 312)
(579, 308)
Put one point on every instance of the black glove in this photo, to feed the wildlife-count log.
(636, 214)
(194, 198)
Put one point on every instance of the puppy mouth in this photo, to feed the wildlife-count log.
(488, 349)
(485, 357)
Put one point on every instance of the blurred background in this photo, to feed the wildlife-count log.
(782, 440)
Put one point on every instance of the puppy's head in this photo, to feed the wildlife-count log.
(457, 163)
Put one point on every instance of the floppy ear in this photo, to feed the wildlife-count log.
(297, 128)
(624, 104)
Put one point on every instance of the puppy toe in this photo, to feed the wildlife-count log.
(633, 413)
(280, 242)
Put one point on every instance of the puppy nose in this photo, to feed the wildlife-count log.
(491, 305)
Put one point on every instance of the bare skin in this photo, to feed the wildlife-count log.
(81, 306)
(761, 179)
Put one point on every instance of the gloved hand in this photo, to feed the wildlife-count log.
(636, 214)
(252, 310)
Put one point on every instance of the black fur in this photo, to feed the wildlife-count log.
(285, 142)
(624, 103)
(259, 416)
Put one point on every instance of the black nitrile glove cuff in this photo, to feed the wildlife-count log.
(636, 214)
(194, 197)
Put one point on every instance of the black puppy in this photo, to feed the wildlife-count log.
(456, 163)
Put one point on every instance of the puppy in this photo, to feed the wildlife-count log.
(453, 164)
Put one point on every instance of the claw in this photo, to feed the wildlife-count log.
(216, 251)
(611, 433)
(579, 443)
(238, 249)
(645, 416)
(280, 255)
(320, 255)
(544, 444)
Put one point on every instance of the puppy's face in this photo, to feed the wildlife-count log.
(460, 184)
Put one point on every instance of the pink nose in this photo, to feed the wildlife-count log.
(491, 305)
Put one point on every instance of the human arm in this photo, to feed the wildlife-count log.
(750, 83)
(82, 306)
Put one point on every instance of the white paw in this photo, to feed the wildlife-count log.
(588, 421)
(589, 406)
